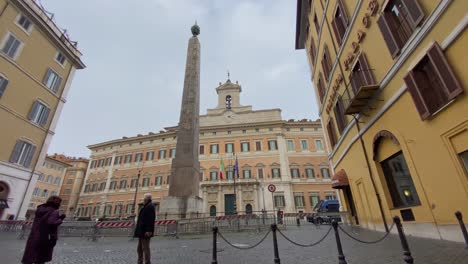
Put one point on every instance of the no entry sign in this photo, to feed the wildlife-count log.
(271, 188)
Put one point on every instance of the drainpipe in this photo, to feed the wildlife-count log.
(379, 201)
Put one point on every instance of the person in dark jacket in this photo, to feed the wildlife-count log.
(43, 236)
(144, 229)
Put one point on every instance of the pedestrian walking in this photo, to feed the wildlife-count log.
(144, 230)
(43, 236)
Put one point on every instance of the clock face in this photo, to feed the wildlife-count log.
(229, 116)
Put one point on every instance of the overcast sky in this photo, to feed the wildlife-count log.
(135, 53)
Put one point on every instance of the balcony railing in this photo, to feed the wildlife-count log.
(360, 89)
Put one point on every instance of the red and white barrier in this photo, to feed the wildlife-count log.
(165, 222)
(114, 224)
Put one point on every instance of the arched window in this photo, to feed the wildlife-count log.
(248, 209)
(212, 210)
(228, 102)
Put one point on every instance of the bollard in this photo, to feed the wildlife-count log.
(274, 227)
(215, 250)
(298, 222)
(404, 244)
(459, 216)
(341, 257)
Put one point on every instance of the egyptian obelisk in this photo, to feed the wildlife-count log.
(183, 200)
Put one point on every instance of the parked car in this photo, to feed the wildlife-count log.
(325, 211)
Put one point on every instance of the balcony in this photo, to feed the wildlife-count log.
(360, 90)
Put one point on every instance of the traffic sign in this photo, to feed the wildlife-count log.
(272, 188)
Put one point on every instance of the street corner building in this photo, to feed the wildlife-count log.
(390, 78)
(269, 150)
(37, 64)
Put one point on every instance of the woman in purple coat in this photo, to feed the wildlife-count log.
(43, 236)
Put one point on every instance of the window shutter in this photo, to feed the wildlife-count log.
(344, 14)
(415, 12)
(388, 35)
(312, 52)
(412, 84)
(16, 151)
(324, 67)
(34, 109)
(57, 84)
(331, 132)
(336, 29)
(444, 71)
(339, 115)
(44, 117)
(30, 156)
(367, 73)
(320, 87)
(3, 85)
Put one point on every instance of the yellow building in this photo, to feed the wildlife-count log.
(390, 78)
(51, 178)
(289, 154)
(37, 65)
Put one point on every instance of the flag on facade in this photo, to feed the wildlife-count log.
(221, 169)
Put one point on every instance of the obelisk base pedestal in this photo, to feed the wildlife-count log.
(176, 208)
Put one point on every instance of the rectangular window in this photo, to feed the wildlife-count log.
(312, 51)
(258, 146)
(432, 83)
(464, 160)
(60, 58)
(57, 180)
(173, 151)
(69, 181)
(158, 180)
(295, 173)
(108, 161)
(245, 146)
(113, 185)
(12, 46)
(133, 183)
(321, 87)
(93, 164)
(310, 173)
(23, 153)
(39, 113)
(290, 145)
(316, 23)
(398, 21)
(3, 85)
(299, 199)
(214, 149)
(340, 115)
(246, 174)
(331, 133)
(128, 158)
(272, 145)
(340, 22)
(149, 155)
(361, 75)
(275, 173)
(260, 173)
(25, 23)
(102, 186)
(52, 80)
(213, 175)
(146, 182)
(325, 173)
(279, 201)
(118, 160)
(123, 184)
(36, 191)
(330, 196)
(67, 191)
(229, 148)
(304, 144)
(138, 157)
(230, 174)
(399, 181)
(314, 199)
(202, 149)
(326, 63)
(162, 154)
(318, 145)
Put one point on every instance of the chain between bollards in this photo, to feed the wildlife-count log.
(404, 243)
(215, 249)
(341, 257)
(459, 216)
(277, 260)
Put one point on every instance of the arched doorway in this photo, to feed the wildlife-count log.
(212, 210)
(4, 191)
(248, 209)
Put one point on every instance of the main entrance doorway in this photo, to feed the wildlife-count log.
(229, 200)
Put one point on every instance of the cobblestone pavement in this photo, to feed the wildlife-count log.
(197, 249)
